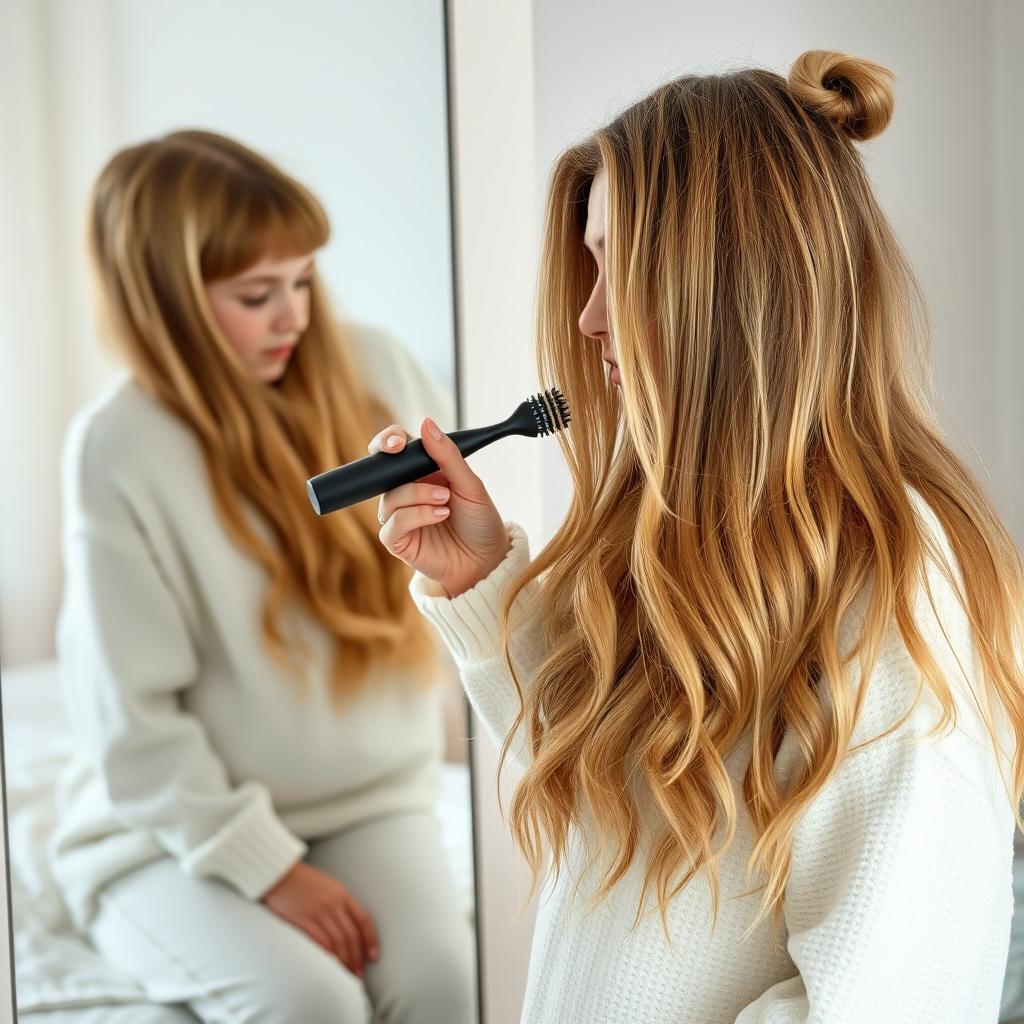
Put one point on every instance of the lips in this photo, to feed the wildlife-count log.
(614, 373)
(280, 352)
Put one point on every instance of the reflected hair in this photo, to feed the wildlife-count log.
(746, 483)
(165, 218)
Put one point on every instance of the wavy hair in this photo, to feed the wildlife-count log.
(749, 480)
(164, 218)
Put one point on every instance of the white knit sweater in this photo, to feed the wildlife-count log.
(899, 903)
(191, 742)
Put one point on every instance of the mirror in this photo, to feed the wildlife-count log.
(202, 818)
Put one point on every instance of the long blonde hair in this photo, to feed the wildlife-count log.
(164, 218)
(747, 483)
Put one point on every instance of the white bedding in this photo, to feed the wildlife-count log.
(55, 967)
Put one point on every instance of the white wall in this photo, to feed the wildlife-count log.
(947, 171)
(1007, 170)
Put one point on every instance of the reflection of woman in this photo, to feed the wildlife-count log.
(719, 653)
(249, 829)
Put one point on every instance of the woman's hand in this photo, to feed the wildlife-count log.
(327, 912)
(456, 549)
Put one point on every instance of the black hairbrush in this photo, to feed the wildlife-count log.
(365, 478)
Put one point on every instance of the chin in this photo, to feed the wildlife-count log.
(272, 374)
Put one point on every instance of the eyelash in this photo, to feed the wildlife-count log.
(254, 302)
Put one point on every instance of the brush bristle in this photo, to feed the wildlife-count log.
(551, 411)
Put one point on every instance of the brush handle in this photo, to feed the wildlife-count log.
(367, 477)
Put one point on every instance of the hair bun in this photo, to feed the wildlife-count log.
(853, 93)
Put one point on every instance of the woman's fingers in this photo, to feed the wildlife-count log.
(391, 438)
(388, 504)
(395, 532)
(445, 452)
(365, 924)
(353, 940)
(341, 942)
(420, 493)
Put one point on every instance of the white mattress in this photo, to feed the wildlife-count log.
(56, 968)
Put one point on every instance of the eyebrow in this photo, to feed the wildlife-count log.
(270, 278)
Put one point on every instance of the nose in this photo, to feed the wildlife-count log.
(292, 313)
(593, 321)
(594, 318)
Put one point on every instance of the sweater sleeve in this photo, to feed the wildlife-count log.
(126, 655)
(900, 896)
(468, 624)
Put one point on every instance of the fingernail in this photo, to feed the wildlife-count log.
(435, 431)
(441, 511)
(394, 441)
(440, 492)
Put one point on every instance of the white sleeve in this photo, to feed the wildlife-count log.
(126, 655)
(468, 624)
(899, 902)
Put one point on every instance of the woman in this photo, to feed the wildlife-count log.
(770, 663)
(249, 827)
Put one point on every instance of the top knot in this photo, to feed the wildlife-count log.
(855, 94)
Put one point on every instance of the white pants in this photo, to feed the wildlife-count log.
(210, 954)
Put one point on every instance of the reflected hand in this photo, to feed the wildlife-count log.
(318, 904)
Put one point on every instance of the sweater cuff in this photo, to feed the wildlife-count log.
(468, 623)
(251, 852)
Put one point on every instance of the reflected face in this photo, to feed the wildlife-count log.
(263, 311)
(594, 318)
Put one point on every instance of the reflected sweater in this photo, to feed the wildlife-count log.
(190, 741)
(899, 902)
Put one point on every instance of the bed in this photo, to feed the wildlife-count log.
(60, 978)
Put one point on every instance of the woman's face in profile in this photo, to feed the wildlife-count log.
(263, 311)
(594, 318)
